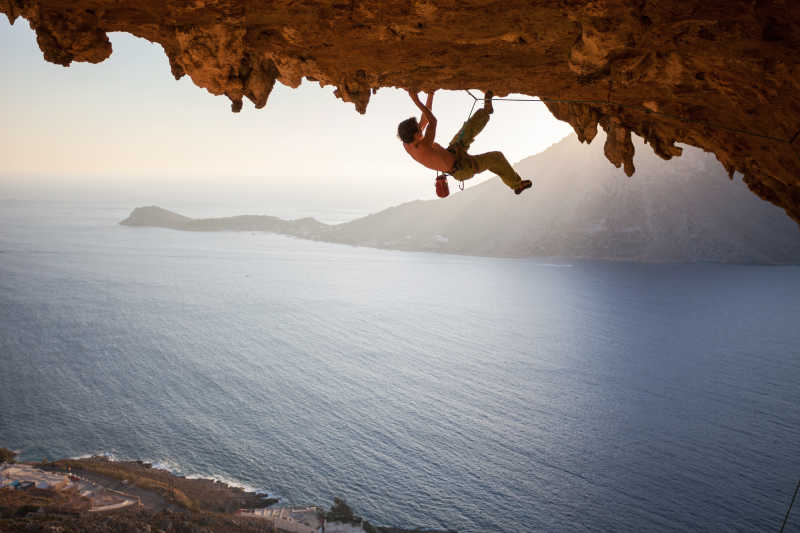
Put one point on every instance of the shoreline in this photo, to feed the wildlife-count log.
(401, 232)
(161, 493)
(195, 493)
(175, 470)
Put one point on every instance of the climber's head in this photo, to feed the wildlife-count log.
(407, 130)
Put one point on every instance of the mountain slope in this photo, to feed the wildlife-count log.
(684, 210)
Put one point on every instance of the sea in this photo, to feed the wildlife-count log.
(431, 390)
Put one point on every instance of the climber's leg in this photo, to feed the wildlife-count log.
(497, 163)
(470, 129)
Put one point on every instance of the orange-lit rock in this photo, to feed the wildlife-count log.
(723, 75)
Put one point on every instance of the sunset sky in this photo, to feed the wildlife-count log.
(125, 128)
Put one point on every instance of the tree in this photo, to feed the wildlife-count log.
(6, 455)
(341, 512)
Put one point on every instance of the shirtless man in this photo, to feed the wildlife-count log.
(455, 160)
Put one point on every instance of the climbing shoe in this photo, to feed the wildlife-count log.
(524, 184)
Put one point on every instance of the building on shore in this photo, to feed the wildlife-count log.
(302, 520)
(291, 519)
(21, 475)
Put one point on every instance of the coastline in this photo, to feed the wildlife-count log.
(193, 493)
(417, 226)
(157, 496)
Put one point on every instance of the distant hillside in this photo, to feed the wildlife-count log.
(161, 218)
(683, 210)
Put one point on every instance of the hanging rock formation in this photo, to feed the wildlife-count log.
(723, 75)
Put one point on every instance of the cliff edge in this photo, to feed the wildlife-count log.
(722, 75)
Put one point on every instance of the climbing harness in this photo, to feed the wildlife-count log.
(442, 189)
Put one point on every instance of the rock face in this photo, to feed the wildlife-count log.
(723, 75)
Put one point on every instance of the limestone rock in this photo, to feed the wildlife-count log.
(723, 75)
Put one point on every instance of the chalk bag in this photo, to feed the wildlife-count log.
(442, 190)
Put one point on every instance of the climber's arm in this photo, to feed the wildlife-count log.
(423, 120)
(430, 132)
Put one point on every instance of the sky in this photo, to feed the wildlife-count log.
(126, 130)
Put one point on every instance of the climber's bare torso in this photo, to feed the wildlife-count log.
(423, 148)
(433, 155)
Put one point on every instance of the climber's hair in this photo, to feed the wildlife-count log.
(407, 129)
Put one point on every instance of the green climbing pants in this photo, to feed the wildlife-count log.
(467, 165)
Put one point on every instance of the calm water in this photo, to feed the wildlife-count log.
(440, 391)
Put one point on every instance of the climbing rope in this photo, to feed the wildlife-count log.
(649, 112)
(639, 108)
(789, 510)
(471, 109)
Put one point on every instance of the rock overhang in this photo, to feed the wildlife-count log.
(722, 75)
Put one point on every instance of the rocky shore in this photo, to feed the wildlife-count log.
(206, 495)
(166, 503)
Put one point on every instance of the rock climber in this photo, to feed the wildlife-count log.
(418, 140)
